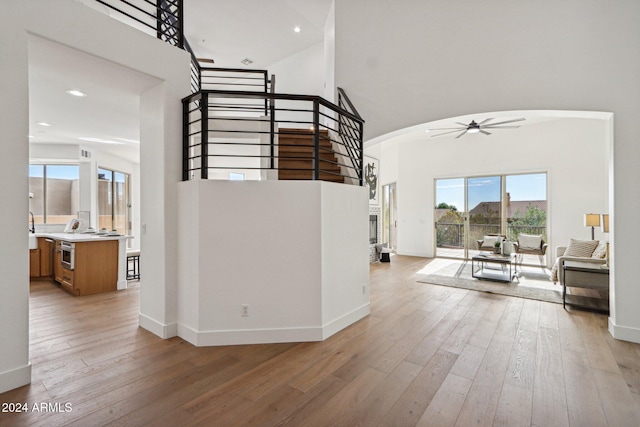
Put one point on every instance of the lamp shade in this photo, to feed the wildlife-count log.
(605, 223)
(591, 220)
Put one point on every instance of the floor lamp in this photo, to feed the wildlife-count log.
(593, 221)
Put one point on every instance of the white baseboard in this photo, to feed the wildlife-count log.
(160, 329)
(15, 378)
(248, 336)
(624, 333)
(412, 253)
(122, 284)
(272, 335)
(342, 322)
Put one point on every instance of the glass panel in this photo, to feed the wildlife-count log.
(385, 213)
(485, 209)
(526, 201)
(449, 217)
(36, 187)
(120, 203)
(62, 193)
(393, 223)
(105, 199)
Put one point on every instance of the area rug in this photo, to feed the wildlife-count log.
(533, 282)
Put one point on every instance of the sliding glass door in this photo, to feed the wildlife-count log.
(450, 216)
(468, 208)
(484, 199)
(113, 201)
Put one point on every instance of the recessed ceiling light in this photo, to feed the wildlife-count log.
(77, 93)
(31, 136)
(100, 140)
(45, 124)
(296, 29)
(247, 61)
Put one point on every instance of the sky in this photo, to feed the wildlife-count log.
(487, 189)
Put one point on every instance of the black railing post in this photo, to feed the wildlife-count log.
(159, 19)
(272, 133)
(316, 139)
(185, 140)
(361, 152)
(204, 138)
(180, 24)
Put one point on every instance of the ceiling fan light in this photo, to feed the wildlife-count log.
(473, 130)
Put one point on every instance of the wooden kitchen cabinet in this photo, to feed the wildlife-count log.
(34, 263)
(46, 247)
(95, 268)
(57, 262)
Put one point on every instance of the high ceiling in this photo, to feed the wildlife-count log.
(262, 31)
(226, 31)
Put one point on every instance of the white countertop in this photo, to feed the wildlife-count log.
(81, 237)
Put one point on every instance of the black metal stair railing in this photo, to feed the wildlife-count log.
(161, 18)
(229, 131)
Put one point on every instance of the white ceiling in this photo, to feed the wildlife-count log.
(263, 31)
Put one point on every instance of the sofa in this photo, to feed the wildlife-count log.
(578, 250)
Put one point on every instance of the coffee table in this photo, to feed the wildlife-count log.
(496, 267)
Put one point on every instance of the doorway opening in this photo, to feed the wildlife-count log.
(390, 216)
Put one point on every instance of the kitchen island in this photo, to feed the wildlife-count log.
(83, 263)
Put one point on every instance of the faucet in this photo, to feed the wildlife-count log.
(33, 224)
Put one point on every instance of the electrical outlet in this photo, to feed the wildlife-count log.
(364, 289)
(245, 310)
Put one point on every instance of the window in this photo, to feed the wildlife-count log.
(113, 201)
(466, 209)
(54, 192)
(234, 176)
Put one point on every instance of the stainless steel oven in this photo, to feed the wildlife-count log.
(68, 250)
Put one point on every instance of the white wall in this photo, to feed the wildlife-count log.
(330, 54)
(302, 73)
(424, 61)
(15, 367)
(288, 249)
(550, 147)
(345, 254)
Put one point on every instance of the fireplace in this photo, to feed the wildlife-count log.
(373, 229)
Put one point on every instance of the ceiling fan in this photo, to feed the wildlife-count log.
(481, 127)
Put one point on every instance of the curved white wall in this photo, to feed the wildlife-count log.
(408, 62)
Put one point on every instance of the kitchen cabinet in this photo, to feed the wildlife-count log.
(34, 263)
(95, 268)
(57, 262)
(46, 256)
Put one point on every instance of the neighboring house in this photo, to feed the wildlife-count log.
(492, 208)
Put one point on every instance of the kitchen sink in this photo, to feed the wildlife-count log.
(33, 241)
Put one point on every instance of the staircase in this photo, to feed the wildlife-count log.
(295, 156)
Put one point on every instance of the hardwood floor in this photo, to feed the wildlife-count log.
(427, 356)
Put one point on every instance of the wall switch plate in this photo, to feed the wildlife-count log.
(245, 310)
(364, 289)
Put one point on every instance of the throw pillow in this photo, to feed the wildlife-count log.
(530, 241)
(489, 241)
(600, 251)
(581, 248)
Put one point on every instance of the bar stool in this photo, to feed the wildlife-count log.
(133, 264)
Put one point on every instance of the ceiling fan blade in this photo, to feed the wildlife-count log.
(485, 132)
(465, 125)
(506, 121)
(451, 131)
(500, 127)
(484, 121)
(461, 133)
(458, 128)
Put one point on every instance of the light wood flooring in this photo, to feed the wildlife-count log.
(426, 356)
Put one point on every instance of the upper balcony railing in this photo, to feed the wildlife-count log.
(160, 18)
(230, 131)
